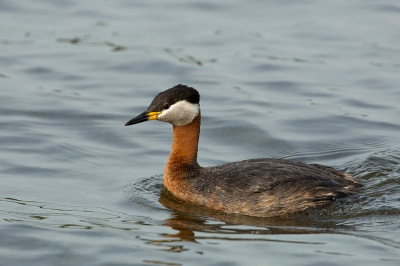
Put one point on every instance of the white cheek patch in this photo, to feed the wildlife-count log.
(180, 113)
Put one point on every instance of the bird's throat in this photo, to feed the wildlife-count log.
(183, 157)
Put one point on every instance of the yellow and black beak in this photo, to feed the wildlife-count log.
(143, 117)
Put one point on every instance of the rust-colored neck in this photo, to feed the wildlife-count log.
(183, 157)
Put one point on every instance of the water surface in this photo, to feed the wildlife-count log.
(310, 81)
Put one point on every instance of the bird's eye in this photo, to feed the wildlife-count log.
(166, 106)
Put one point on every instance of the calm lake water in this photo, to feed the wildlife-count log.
(313, 81)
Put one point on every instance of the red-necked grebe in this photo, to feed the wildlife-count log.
(256, 187)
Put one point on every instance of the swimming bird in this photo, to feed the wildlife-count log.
(255, 187)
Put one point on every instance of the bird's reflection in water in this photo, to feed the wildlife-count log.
(188, 219)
